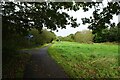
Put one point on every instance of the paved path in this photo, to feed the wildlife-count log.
(42, 65)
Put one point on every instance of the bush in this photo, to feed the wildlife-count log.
(83, 36)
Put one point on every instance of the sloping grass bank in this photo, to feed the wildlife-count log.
(86, 60)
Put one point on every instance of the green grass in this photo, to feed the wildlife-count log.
(86, 60)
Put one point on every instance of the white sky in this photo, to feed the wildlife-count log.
(80, 14)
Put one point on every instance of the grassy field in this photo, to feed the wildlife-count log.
(86, 60)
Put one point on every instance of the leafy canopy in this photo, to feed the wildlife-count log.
(20, 17)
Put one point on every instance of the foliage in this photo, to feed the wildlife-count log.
(86, 60)
(14, 42)
(14, 66)
(23, 16)
(108, 35)
(83, 36)
(101, 17)
(67, 38)
(28, 15)
(43, 37)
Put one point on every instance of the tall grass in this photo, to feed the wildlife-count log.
(86, 60)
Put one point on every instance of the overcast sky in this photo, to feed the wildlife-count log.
(80, 14)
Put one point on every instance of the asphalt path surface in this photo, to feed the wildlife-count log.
(41, 65)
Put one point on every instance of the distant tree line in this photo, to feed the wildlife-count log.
(111, 34)
(84, 36)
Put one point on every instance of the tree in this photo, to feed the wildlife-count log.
(84, 36)
(101, 19)
(25, 15)
(42, 38)
(67, 38)
(108, 35)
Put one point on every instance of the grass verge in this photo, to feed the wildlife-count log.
(14, 66)
(37, 47)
